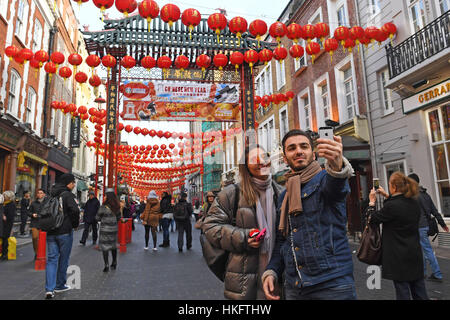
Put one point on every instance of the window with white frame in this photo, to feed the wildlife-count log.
(442, 6)
(37, 36)
(281, 74)
(391, 167)
(300, 62)
(374, 7)
(417, 15)
(325, 101)
(284, 122)
(346, 90)
(266, 134)
(13, 95)
(31, 103)
(21, 23)
(304, 110)
(337, 14)
(341, 14)
(349, 92)
(386, 93)
(315, 19)
(264, 81)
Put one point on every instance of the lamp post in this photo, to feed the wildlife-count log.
(99, 101)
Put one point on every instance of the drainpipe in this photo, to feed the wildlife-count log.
(366, 87)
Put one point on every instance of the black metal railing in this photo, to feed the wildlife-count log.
(424, 44)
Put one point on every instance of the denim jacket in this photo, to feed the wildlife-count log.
(319, 235)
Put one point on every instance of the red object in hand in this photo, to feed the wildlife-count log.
(253, 233)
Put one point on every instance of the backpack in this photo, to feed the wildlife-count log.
(217, 258)
(179, 212)
(51, 216)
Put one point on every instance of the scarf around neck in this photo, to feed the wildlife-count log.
(292, 201)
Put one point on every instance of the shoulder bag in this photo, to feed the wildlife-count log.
(370, 248)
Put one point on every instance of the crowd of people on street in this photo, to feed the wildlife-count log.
(279, 242)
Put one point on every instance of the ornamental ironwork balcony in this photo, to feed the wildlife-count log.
(424, 44)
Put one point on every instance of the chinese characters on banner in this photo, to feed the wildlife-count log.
(180, 101)
(112, 109)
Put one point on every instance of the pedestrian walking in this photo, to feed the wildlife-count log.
(34, 212)
(311, 247)
(60, 240)
(108, 215)
(239, 210)
(90, 211)
(197, 210)
(427, 212)
(9, 213)
(182, 213)
(150, 218)
(167, 211)
(24, 211)
(402, 260)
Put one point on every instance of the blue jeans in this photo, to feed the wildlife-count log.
(415, 289)
(337, 289)
(428, 254)
(58, 254)
(165, 226)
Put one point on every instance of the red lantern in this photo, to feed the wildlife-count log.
(57, 58)
(258, 28)
(164, 63)
(129, 128)
(109, 61)
(258, 100)
(349, 44)
(93, 112)
(34, 64)
(238, 26)
(148, 9)
(356, 33)
(280, 54)
(381, 37)
(203, 61)
(341, 34)
(191, 18)
(128, 62)
(50, 68)
(93, 61)
(265, 55)
(390, 29)
(137, 130)
(170, 13)
(365, 41)
(65, 72)
(277, 31)
(182, 62)
(75, 60)
(266, 100)
(220, 60)
(81, 77)
(330, 45)
(217, 22)
(251, 57)
(54, 105)
(275, 99)
(294, 32)
(322, 31)
(290, 95)
(26, 54)
(82, 110)
(95, 80)
(148, 62)
(120, 126)
(371, 33)
(296, 51)
(309, 32)
(236, 58)
(103, 4)
(126, 6)
(12, 51)
(312, 49)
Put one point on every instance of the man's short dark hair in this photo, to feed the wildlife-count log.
(296, 132)
(41, 190)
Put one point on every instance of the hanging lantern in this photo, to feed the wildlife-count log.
(65, 72)
(164, 63)
(148, 9)
(95, 80)
(41, 56)
(389, 29)
(294, 32)
(220, 60)
(103, 5)
(330, 45)
(265, 55)
(170, 13)
(258, 28)
(371, 33)
(309, 32)
(356, 33)
(290, 95)
(148, 62)
(203, 61)
(381, 37)
(349, 44)
(236, 59)
(26, 54)
(277, 31)
(57, 58)
(80, 1)
(266, 100)
(258, 100)
(75, 60)
(238, 26)
(341, 34)
(182, 62)
(82, 110)
(19, 59)
(35, 65)
(217, 22)
(129, 128)
(191, 18)
(126, 6)
(128, 62)
(312, 49)
(275, 99)
(93, 61)
(54, 105)
(81, 77)
(365, 41)
(11, 51)
(296, 51)
(251, 57)
(322, 31)
(280, 54)
(109, 62)
(50, 68)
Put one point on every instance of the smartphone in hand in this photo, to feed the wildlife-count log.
(261, 235)
(376, 183)
(326, 133)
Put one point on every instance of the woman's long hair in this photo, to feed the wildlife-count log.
(407, 186)
(112, 202)
(248, 190)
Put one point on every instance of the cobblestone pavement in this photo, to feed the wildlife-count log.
(164, 274)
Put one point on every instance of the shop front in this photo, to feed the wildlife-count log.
(59, 163)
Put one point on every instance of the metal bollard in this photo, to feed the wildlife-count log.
(40, 262)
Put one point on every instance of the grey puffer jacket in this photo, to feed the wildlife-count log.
(241, 276)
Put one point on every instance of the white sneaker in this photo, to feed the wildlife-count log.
(49, 295)
(145, 248)
(155, 249)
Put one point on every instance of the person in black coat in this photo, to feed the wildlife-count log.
(167, 210)
(24, 211)
(90, 211)
(9, 213)
(184, 225)
(34, 212)
(402, 260)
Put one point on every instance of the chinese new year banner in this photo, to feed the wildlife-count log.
(180, 101)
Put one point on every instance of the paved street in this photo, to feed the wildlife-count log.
(162, 275)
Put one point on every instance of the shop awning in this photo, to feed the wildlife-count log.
(35, 158)
(82, 186)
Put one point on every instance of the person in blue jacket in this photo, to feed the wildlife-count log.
(311, 248)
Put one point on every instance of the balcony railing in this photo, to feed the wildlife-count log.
(425, 43)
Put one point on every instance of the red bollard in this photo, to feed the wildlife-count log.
(122, 235)
(129, 230)
(40, 262)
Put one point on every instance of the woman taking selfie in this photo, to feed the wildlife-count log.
(402, 260)
(233, 216)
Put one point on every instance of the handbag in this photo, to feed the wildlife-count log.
(370, 248)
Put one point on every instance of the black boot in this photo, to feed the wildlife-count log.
(105, 259)
(114, 263)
